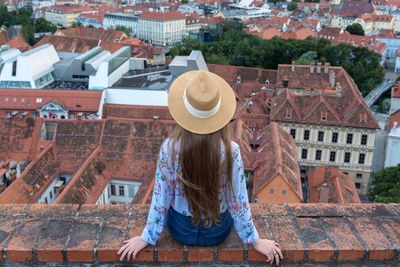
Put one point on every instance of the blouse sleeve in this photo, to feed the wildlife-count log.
(239, 203)
(163, 194)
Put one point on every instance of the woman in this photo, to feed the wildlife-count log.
(200, 189)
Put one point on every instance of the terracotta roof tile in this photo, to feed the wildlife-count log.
(27, 99)
(394, 117)
(19, 43)
(342, 108)
(339, 187)
(109, 35)
(173, 15)
(3, 37)
(353, 8)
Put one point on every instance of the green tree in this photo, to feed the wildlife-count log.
(124, 29)
(90, 26)
(384, 107)
(385, 185)
(28, 33)
(76, 24)
(292, 6)
(355, 28)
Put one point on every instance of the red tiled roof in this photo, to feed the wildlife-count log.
(173, 15)
(316, 103)
(396, 90)
(26, 99)
(353, 8)
(298, 34)
(109, 35)
(329, 32)
(394, 117)
(3, 37)
(338, 187)
(19, 43)
(382, 18)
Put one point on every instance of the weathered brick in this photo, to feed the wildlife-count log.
(47, 210)
(271, 209)
(231, 249)
(319, 246)
(314, 209)
(347, 243)
(140, 210)
(111, 237)
(12, 209)
(136, 228)
(392, 227)
(379, 246)
(95, 210)
(21, 246)
(254, 255)
(168, 248)
(53, 240)
(200, 254)
(366, 209)
(7, 226)
(83, 239)
(286, 235)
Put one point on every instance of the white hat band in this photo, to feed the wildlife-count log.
(200, 113)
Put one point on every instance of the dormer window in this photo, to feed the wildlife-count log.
(266, 81)
(238, 79)
(289, 113)
(324, 116)
(285, 83)
(363, 117)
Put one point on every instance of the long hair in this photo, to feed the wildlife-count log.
(203, 171)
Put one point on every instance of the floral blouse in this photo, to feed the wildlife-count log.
(169, 192)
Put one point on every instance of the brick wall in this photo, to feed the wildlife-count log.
(311, 234)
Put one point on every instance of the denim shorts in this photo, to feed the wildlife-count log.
(180, 227)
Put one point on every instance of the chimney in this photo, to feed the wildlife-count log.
(319, 67)
(324, 193)
(327, 66)
(331, 78)
(293, 63)
(312, 67)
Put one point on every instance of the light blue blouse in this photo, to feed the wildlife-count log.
(169, 192)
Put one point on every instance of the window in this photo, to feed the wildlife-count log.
(361, 158)
(8, 114)
(364, 139)
(318, 155)
(358, 185)
(14, 70)
(349, 139)
(45, 200)
(285, 83)
(34, 114)
(293, 133)
(347, 157)
(304, 153)
(334, 137)
(306, 135)
(121, 190)
(131, 191)
(51, 194)
(359, 175)
(283, 192)
(332, 157)
(113, 190)
(271, 191)
(320, 136)
(346, 173)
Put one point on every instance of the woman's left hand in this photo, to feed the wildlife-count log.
(132, 247)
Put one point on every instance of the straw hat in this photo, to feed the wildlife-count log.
(201, 102)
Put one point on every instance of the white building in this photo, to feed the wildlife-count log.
(119, 192)
(130, 21)
(161, 28)
(55, 189)
(392, 157)
(31, 69)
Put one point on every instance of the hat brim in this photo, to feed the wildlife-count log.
(194, 124)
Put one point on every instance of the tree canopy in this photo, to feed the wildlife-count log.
(126, 30)
(355, 28)
(292, 6)
(385, 185)
(30, 26)
(236, 47)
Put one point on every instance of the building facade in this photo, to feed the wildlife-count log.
(321, 107)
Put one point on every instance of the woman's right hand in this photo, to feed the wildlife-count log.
(270, 249)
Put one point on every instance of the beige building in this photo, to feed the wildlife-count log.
(161, 28)
(321, 107)
(63, 15)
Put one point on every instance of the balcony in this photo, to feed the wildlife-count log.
(309, 234)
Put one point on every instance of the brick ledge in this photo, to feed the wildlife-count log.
(312, 234)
